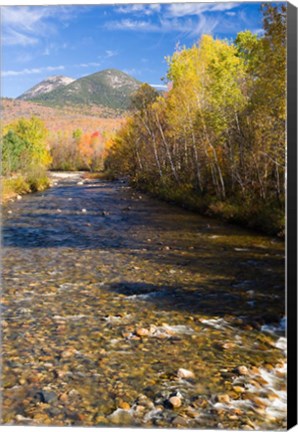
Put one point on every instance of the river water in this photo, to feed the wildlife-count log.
(118, 309)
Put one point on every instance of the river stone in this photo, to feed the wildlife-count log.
(223, 398)
(175, 402)
(239, 389)
(180, 421)
(184, 373)
(142, 332)
(45, 396)
(124, 405)
(242, 370)
(121, 417)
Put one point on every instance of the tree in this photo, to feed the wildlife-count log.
(34, 133)
(13, 153)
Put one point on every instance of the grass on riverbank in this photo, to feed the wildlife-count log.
(264, 216)
(21, 184)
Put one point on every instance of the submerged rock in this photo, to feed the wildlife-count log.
(45, 396)
(121, 417)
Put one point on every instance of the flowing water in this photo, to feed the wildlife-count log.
(118, 309)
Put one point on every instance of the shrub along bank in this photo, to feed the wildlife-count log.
(25, 157)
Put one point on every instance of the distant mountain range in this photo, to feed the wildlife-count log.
(110, 88)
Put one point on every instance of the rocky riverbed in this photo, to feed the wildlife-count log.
(118, 309)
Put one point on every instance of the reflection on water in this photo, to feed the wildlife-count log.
(109, 294)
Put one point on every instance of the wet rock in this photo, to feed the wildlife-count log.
(45, 396)
(200, 403)
(229, 345)
(10, 381)
(180, 422)
(223, 398)
(124, 405)
(242, 370)
(239, 389)
(145, 401)
(142, 332)
(247, 427)
(63, 397)
(21, 418)
(121, 417)
(191, 412)
(139, 409)
(272, 396)
(184, 373)
(255, 399)
(100, 420)
(175, 402)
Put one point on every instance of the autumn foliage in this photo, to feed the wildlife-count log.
(216, 140)
(75, 135)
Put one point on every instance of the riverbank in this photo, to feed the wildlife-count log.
(21, 184)
(16, 186)
(263, 217)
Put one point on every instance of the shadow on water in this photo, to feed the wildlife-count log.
(241, 272)
(211, 299)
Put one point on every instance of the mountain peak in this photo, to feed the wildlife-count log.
(46, 86)
(111, 88)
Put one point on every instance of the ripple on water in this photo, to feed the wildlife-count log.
(114, 316)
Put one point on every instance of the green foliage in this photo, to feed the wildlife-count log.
(15, 185)
(25, 157)
(77, 134)
(37, 179)
(34, 134)
(14, 150)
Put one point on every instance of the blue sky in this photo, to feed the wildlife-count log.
(74, 41)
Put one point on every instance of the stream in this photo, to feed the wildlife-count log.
(119, 309)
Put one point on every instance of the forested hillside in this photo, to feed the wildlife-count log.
(110, 88)
(216, 141)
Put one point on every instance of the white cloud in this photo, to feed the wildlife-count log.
(184, 9)
(144, 9)
(89, 64)
(133, 25)
(131, 71)
(205, 25)
(24, 57)
(187, 18)
(25, 25)
(259, 32)
(31, 71)
(111, 53)
(164, 25)
(159, 86)
(13, 37)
